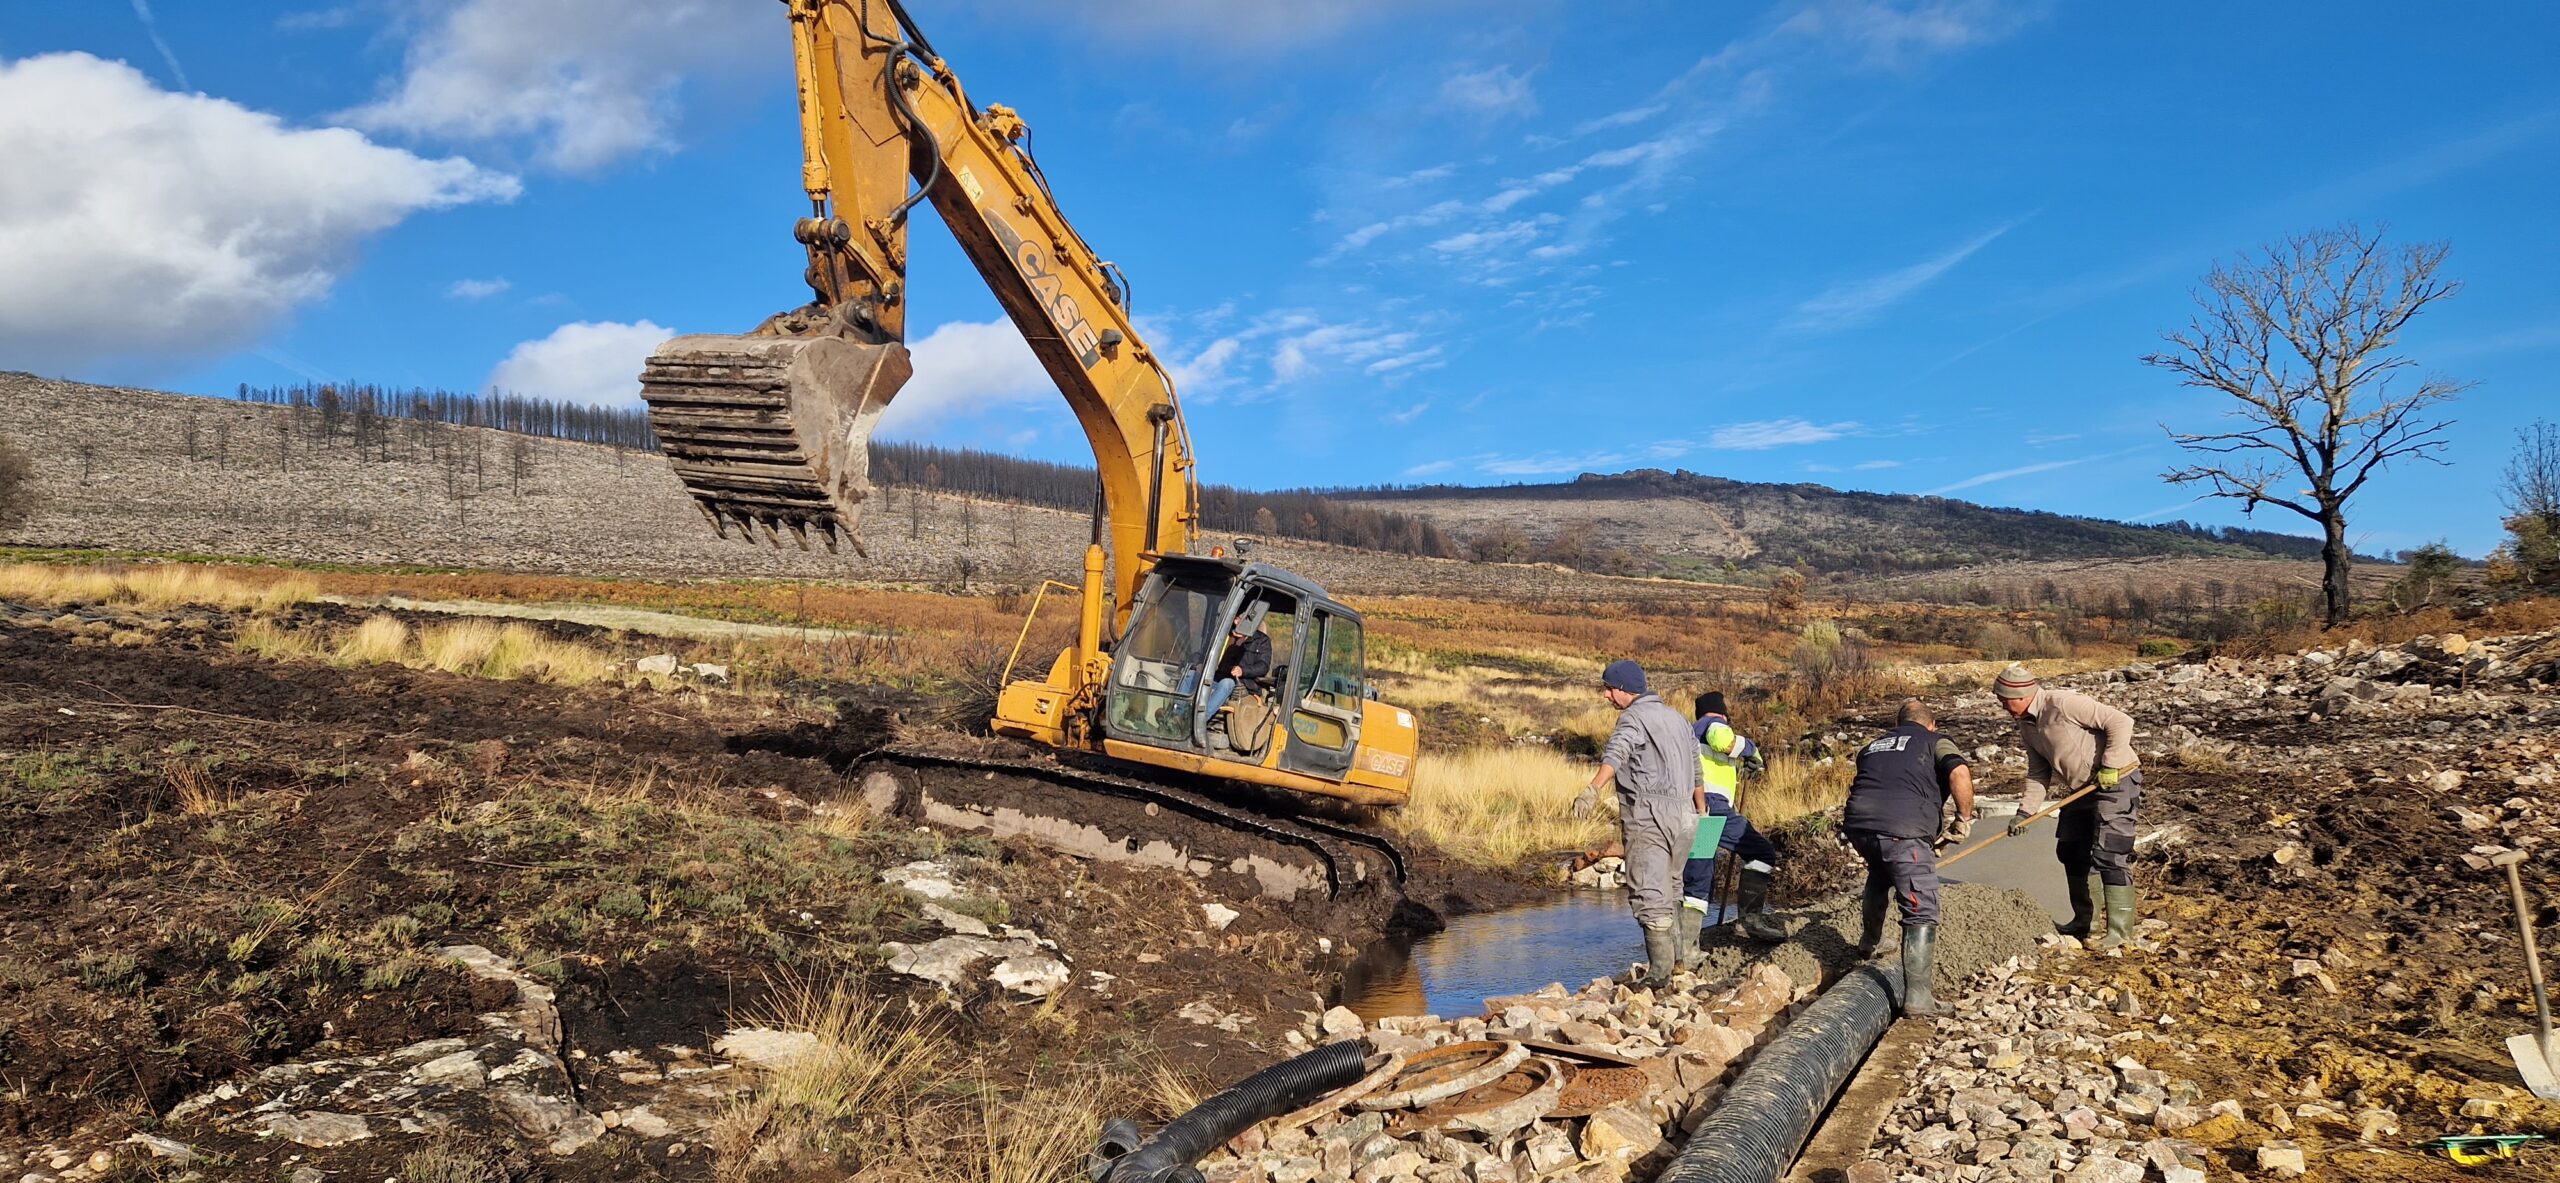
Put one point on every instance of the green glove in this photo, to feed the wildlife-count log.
(2107, 777)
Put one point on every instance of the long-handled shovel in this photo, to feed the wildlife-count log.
(2532, 1051)
(2040, 815)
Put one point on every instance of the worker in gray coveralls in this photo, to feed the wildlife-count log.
(1896, 821)
(1653, 757)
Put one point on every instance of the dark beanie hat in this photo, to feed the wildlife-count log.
(1711, 703)
(1623, 674)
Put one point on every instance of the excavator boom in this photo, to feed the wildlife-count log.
(770, 432)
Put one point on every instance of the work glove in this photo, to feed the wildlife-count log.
(2107, 777)
(1955, 833)
(1588, 801)
(2018, 825)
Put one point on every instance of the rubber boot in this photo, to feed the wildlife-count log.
(2084, 894)
(1919, 988)
(1661, 953)
(1752, 897)
(1871, 908)
(2120, 901)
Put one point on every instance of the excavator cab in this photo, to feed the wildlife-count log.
(1304, 717)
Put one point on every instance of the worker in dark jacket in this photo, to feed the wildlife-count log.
(1896, 822)
(1247, 659)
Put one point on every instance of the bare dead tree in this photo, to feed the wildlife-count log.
(2531, 485)
(2301, 336)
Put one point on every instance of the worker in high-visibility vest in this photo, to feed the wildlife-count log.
(1722, 755)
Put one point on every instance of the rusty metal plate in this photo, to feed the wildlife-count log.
(1446, 1071)
(1380, 1069)
(1594, 1089)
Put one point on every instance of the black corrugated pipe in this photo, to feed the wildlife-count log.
(1285, 1087)
(1763, 1120)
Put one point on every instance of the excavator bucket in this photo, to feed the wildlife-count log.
(773, 432)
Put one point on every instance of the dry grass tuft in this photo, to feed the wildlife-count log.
(869, 1059)
(380, 640)
(1041, 1138)
(1793, 787)
(1498, 807)
(158, 586)
(197, 792)
(267, 639)
(480, 649)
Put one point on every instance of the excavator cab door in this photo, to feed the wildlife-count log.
(1160, 670)
(1327, 682)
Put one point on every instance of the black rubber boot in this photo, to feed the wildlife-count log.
(1871, 909)
(1661, 953)
(2084, 891)
(2120, 902)
(1919, 987)
(1691, 928)
(1752, 898)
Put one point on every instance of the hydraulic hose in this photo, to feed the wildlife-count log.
(1764, 1119)
(1285, 1087)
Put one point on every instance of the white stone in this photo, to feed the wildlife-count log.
(1339, 1021)
(1219, 916)
(459, 1070)
(765, 1047)
(318, 1130)
(663, 664)
(955, 922)
(1035, 976)
(644, 1124)
(710, 672)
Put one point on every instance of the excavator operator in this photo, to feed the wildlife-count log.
(1247, 660)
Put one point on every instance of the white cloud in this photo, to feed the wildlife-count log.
(585, 362)
(1850, 304)
(1877, 465)
(1631, 115)
(1407, 415)
(589, 81)
(212, 219)
(1776, 433)
(1494, 91)
(1550, 463)
(1492, 238)
(1431, 468)
(476, 289)
(965, 366)
(1894, 32)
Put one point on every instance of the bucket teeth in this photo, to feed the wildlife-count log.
(771, 434)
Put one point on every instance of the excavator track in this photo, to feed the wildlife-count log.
(772, 433)
(1071, 809)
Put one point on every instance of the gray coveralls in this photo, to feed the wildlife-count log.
(1656, 758)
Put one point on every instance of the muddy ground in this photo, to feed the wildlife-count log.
(212, 864)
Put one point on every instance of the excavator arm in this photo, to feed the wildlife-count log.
(769, 431)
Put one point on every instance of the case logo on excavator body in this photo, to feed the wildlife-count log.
(1034, 263)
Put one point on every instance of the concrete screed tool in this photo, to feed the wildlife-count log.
(2532, 1050)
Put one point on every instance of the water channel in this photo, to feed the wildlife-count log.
(1581, 935)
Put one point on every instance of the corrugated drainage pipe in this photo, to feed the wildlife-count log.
(1285, 1087)
(1764, 1119)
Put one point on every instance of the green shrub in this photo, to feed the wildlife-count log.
(2159, 647)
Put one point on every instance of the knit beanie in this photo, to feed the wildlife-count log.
(1623, 674)
(1712, 703)
(2015, 682)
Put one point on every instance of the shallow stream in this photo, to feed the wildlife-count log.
(1581, 935)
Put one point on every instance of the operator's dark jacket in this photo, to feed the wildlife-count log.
(1251, 655)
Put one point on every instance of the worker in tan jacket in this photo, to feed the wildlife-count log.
(2074, 741)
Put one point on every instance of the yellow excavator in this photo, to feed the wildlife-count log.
(769, 432)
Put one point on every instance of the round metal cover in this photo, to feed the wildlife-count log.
(1519, 1097)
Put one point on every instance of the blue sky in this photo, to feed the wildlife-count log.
(1911, 247)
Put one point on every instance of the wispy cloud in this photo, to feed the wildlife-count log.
(1848, 305)
(1407, 415)
(476, 289)
(1877, 465)
(1776, 433)
(1631, 115)
(142, 12)
(1490, 92)
(2031, 470)
(1431, 468)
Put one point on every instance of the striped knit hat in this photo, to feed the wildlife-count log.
(2015, 682)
